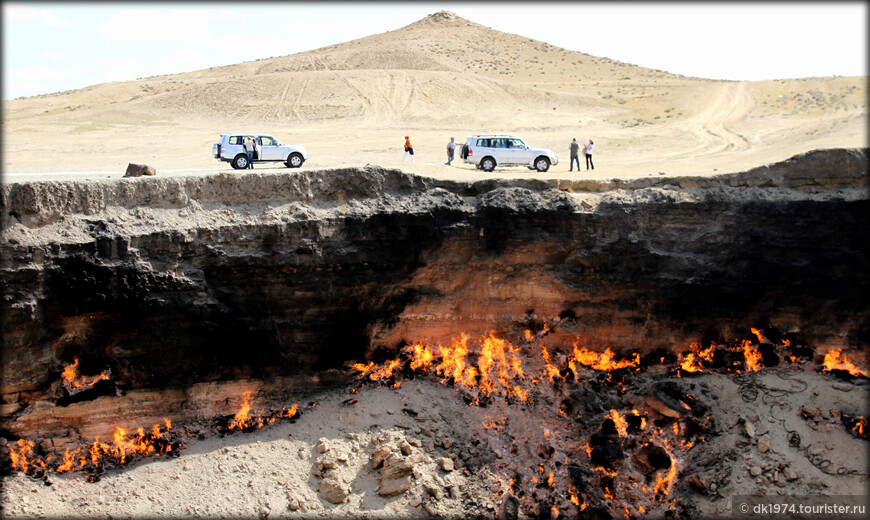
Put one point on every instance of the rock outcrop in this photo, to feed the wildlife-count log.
(176, 284)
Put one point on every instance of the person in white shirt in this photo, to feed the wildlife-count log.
(250, 146)
(589, 155)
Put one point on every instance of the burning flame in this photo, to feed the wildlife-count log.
(73, 381)
(243, 419)
(23, 458)
(376, 373)
(422, 357)
(836, 360)
(124, 446)
(499, 365)
(758, 334)
(664, 482)
(573, 496)
(498, 370)
(621, 425)
(642, 419)
(753, 356)
(551, 371)
(690, 364)
(603, 362)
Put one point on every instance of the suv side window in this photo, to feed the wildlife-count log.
(515, 143)
(499, 143)
(235, 139)
(483, 143)
(267, 141)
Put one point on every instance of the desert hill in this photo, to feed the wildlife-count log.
(441, 76)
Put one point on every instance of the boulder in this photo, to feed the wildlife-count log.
(394, 486)
(381, 454)
(333, 491)
(138, 170)
(395, 467)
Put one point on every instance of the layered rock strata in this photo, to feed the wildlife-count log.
(185, 287)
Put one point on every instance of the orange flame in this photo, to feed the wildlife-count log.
(602, 361)
(72, 379)
(69, 461)
(573, 496)
(642, 419)
(422, 357)
(23, 457)
(753, 356)
(836, 360)
(242, 418)
(758, 334)
(621, 425)
(499, 365)
(124, 446)
(663, 482)
(552, 371)
(690, 364)
(376, 373)
(453, 363)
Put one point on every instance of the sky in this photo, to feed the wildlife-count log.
(53, 47)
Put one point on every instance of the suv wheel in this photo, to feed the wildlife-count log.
(240, 162)
(295, 160)
(487, 164)
(542, 164)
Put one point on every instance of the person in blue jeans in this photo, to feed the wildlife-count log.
(575, 154)
(451, 149)
(249, 151)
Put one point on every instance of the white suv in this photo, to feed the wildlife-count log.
(489, 151)
(232, 150)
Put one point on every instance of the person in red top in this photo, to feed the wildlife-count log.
(409, 150)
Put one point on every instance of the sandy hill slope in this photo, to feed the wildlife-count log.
(442, 76)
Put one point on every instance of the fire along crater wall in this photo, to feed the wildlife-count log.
(175, 283)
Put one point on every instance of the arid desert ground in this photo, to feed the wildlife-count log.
(352, 103)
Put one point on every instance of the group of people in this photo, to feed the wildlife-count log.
(574, 148)
(451, 152)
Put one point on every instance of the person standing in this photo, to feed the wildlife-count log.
(250, 146)
(575, 154)
(589, 155)
(451, 149)
(409, 150)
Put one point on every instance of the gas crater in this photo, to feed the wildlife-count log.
(163, 301)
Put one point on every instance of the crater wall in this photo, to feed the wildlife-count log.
(185, 287)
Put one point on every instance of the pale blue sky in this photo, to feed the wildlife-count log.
(51, 47)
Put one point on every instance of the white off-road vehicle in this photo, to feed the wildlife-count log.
(231, 149)
(489, 151)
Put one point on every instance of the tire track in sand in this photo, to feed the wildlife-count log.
(730, 105)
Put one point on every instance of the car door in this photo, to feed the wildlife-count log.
(515, 151)
(498, 147)
(269, 149)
